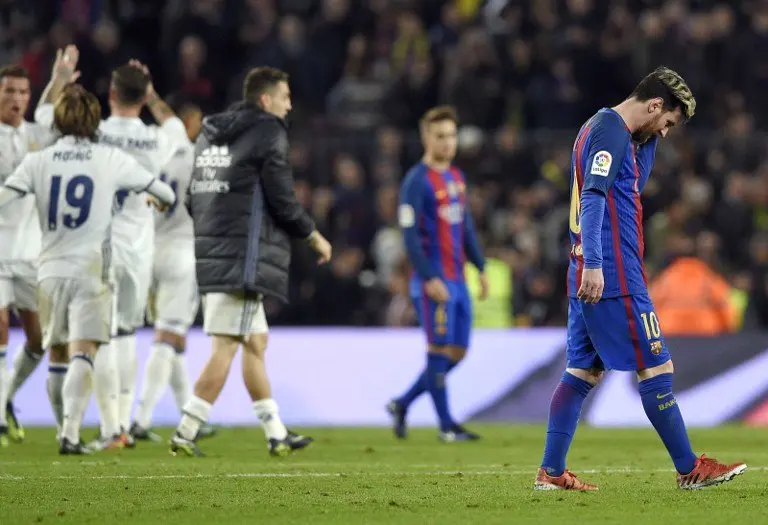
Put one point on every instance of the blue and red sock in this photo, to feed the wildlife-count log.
(661, 408)
(564, 412)
(417, 388)
(437, 370)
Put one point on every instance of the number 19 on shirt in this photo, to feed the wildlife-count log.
(78, 195)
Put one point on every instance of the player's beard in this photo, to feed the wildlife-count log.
(646, 131)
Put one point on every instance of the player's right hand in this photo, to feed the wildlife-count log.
(483, 287)
(159, 206)
(437, 290)
(321, 246)
(592, 285)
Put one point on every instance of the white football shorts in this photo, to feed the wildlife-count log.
(74, 310)
(173, 298)
(131, 278)
(233, 314)
(18, 285)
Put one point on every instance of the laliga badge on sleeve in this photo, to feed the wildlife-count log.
(601, 164)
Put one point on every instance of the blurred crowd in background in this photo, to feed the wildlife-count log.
(523, 76)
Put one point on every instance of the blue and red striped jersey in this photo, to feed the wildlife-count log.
(438, 230)
(608, 173)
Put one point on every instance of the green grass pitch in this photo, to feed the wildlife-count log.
(365, 476)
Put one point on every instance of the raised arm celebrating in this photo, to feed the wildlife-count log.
(64, 72)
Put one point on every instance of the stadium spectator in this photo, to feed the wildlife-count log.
(690, 297)
(522, 74)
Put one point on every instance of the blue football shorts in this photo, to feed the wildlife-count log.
(448, 323)
(618, 333)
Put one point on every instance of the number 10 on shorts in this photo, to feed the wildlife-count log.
(651, 323)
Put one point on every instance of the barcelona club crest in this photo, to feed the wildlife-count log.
(656, 347)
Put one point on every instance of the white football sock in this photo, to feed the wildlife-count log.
(196, 412)
(126, 369)
(24, 363)
(107, 389)
(4, 379)
(76, 392)
(180, 381)
(156, 377)
(267, 412)
(54, 385)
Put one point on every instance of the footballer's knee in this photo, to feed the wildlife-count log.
(59, 355)
(439, 349)
(256, 344)
(456, 353)
(225, 343)
(30, 323)
(84, 347)
(4, 326)
(648, 373)
(591, 375)
(178, 342)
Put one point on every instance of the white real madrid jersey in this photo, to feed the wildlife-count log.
(72, 185)
(19, 231)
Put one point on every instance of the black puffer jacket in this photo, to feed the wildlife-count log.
(243, 205)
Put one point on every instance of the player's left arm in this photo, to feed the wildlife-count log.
(132, 176)
(160, 109)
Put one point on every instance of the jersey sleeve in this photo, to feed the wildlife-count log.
(18, 184)
(21, 180)
(277, 184)
(175, 130)
(131, 175)
(134, 177)
(171, 136)
(8, 195)
(592, 213)
(44, 116)
(471, 245)
(45, 135)
(607, 147)
(411, 207)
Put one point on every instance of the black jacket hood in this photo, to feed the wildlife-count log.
(228, 126)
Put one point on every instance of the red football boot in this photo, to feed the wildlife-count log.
(707, 472)
(566, 481)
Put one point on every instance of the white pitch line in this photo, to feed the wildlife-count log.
(245, 475)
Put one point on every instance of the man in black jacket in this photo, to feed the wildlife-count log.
(244, 209)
